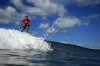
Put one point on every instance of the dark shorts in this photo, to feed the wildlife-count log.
(26, 27)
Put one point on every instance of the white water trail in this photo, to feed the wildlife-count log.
(13, 39)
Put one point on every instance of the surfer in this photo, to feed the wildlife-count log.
(26, 24)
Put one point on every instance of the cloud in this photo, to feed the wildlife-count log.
(68, 37)
(68, 22)
(86, 23)
(65, 42)
(95, 47)
(87, 2)
(51, 30)
(89, 46)
(65, 2)
(65, 31)
(19, 4)
(17, 23)
(9, 14)
(41, 7)
(46, 7)
(80, 3)
(93, 16)
(86, 19)
(82, 45)
(44, 26)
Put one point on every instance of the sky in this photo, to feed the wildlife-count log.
(67, 21)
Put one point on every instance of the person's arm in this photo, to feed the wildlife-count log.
(21, 24)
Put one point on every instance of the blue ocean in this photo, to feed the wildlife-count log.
(21, 49)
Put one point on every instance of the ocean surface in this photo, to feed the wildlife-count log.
(17, 50)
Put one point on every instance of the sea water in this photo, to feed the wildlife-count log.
(21, 49)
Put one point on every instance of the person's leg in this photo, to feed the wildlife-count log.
(27, 30)
(23, 28)
(27, 27)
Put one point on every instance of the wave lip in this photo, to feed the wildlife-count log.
(13, 39)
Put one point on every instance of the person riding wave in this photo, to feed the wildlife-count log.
(26, 24)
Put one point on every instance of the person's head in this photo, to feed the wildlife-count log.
(26, 17)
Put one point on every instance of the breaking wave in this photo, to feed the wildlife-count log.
(13, 39)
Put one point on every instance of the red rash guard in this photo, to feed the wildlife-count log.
(26, 21)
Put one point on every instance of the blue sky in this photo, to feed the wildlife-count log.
(79, 19)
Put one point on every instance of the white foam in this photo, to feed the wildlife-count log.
(13, 39)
